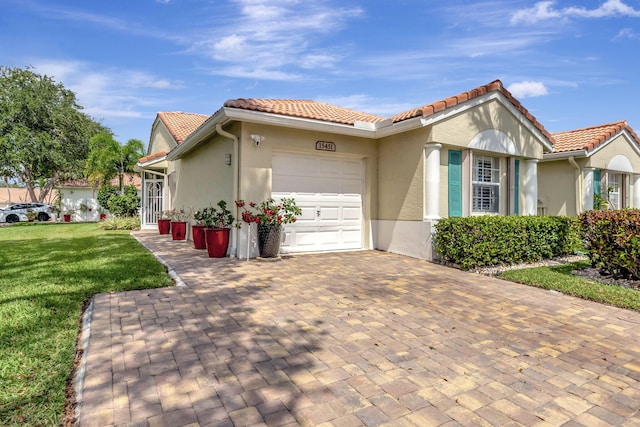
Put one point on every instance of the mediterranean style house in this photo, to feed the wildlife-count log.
(362, 181)
(599, 163)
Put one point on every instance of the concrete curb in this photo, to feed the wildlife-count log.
(78, 380)
(170, 271)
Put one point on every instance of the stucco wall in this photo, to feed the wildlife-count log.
(620, 145)
(461, 129)
(161, 140)
(401, 176)
(202, 178)
(557, 187)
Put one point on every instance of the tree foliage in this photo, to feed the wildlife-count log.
(44, 136)
(108, 159)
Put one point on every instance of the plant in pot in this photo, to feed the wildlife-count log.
(102, 215)
(31, 215)
(270, 217)
(67, 215)
(179, 220)
(198, 229)
(218, 222)
(164, 222)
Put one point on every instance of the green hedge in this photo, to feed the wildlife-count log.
(482, 241)
(612, 239)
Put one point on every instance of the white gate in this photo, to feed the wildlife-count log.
(153, 200)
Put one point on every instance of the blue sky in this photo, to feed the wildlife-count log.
(571, 63)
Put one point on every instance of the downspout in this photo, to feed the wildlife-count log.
(234, 161)
(579, 193)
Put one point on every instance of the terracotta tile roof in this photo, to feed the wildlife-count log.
(181, 125)
(589, 138)
(150, 157)
(436, 107)
(305, 109)
(129, 179)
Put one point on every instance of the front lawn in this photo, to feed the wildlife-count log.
(47, 271)
(560, 279)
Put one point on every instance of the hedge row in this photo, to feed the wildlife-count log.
(612, 239)
(482, 241)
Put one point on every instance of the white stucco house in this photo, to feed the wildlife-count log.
(362, 181)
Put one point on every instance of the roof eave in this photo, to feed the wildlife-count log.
(564, 155)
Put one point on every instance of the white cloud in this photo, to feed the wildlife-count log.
(544, 10)
(107, 93)
(627, 33)
(527, 89)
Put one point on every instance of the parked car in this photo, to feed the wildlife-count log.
(18, 212)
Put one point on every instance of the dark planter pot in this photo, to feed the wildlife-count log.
(269, 239)
(198, 234)
(164, 226)
(103, 216)
(217, 242)
(66, 217)
(179, 230)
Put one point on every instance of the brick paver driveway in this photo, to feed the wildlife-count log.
(350, 339)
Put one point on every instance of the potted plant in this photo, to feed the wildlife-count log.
(178, 224)
(198, 229)
(218, 222)
(270, 217)
(164, 222)
(67, 215)
(102, 214)
(31, 215)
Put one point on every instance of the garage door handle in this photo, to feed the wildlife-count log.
(318, 213)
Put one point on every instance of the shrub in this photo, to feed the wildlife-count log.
(612, 240)
(481, 241)
(104, 194)
(125, 223)
(126, 204)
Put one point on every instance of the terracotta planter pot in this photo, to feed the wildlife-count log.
(164, 226)
(198, 234)
(217, 242)
(269, 239)
(66, 217)
(179, 230)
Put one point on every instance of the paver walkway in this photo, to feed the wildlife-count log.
(350, 339)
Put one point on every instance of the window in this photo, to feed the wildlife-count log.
(486, 184)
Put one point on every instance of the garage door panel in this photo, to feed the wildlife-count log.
(329, 193)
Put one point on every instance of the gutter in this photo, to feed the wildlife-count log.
(236, 180)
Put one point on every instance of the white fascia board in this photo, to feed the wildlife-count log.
(151, 162)
(467, 105)
(547, 157)
(296, 123)
(208, 128)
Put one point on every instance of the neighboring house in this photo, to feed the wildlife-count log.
(80, 197)
(362, 181)
(167, 132)
(588, 164)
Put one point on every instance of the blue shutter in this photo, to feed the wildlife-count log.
(516, 188)
(596, 182)
(455, 183)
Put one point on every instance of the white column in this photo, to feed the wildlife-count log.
(432, 181)
(636, 191)
(587, 190)
(531, 188)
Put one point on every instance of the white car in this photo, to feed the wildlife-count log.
(18, 212)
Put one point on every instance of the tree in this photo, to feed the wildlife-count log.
(108, 159)
(44, 137)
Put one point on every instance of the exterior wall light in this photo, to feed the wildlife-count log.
(227, 159)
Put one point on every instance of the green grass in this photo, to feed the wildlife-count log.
(47, 271)
(560, 279)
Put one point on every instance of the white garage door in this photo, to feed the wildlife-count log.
(329, 192)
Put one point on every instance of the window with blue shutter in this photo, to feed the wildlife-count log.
(455, 183)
